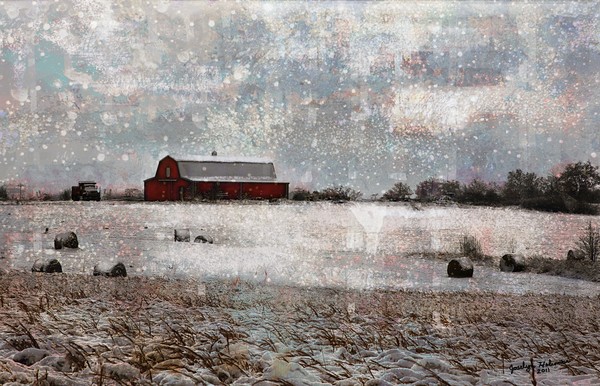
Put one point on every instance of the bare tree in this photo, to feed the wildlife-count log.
(588, 244)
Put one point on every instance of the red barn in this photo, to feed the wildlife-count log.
(214, 177)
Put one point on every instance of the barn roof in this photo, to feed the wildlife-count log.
(214, 158)
(217, 168)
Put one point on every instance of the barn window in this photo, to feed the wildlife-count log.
(168, 171)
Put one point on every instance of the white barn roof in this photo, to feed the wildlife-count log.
(214, 158)
(216, 168)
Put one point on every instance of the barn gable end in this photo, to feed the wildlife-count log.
(168, 168)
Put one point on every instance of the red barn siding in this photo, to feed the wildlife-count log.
(239, 190)
(157, 190)
(265, 190)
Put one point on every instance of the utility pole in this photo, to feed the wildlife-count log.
(20, 192)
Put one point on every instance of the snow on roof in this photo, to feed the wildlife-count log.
(230, 179)
(214, 158)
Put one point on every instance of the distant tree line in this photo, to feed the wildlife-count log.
(575, 190)
(335, 193)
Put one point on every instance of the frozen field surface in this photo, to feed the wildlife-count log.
(352, 245)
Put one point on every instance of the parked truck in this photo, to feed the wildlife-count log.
(85, 191)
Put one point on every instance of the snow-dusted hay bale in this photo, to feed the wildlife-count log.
(66, 240)
(110, 270)
(512, 263)
(182, 235)
(461, 267)
(122, 372)
(575, 255)
(47, 266)
(30, 355)
(58, 363)
(203, 238)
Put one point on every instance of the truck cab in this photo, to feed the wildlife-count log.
(85, 191)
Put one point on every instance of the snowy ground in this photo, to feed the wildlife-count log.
(290, 294)
(353, 245)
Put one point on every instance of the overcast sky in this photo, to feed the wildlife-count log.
(361, 94)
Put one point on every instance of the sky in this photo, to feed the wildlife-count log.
(361, 94)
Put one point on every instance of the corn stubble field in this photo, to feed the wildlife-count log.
(156, 331)
(289, 296)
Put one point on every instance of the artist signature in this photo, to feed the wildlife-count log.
(541, 367)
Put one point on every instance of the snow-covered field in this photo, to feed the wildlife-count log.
(353, 245)
(289, 293)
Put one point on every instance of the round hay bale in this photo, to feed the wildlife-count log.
(512, 263)
(461, 267)
(110, 270)
(575, 255)
(182, 235)
(203, 238)
(66, 240)
(47, 266)
(124, 372)
(58, 363)
(30, 355)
